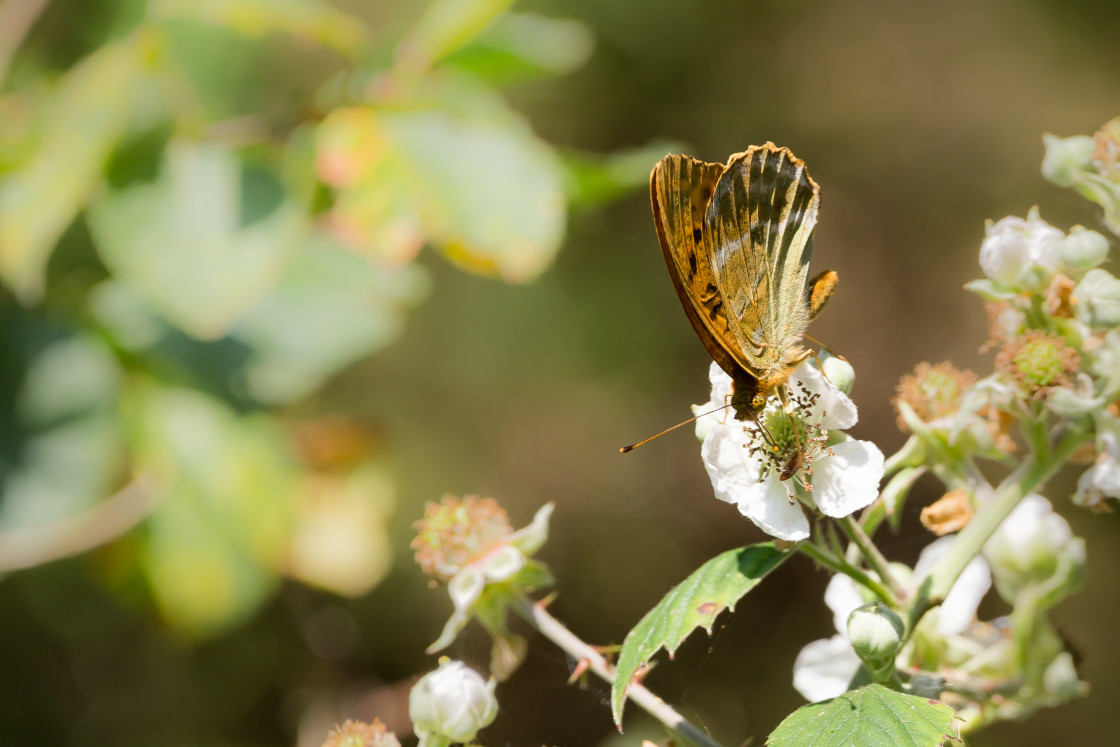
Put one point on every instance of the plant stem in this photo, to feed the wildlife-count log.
(80, 532)
(554, 630)
(870, 552)
(840, 565)
(1030, 475)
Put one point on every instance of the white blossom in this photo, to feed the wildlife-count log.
(824, 668)
(1021, 253)
(451, 704)
(746, 462)
(1029, 545)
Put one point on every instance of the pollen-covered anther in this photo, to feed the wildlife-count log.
(361, 734)
(933, 391)
(1039, 361)
(456, 531)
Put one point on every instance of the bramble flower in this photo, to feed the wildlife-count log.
(1102, 480)
(451, 704)
(1096, 300)
(1038, 362)
(1019, 253)
(469, 544)
(763, 472)
(361, 734)
(824, 668)
(933, 391)
(1030, 545)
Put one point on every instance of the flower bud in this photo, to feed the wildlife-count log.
(1083, 249)
(1096, 299)
(876, 633)
(1021, 253)
(838, 371)
(1029, 546)
(452, 703)
(1065, 157)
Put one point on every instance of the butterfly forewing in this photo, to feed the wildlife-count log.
(680, 190)
(759, 223)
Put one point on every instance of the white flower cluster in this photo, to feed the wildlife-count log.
(1028, 548)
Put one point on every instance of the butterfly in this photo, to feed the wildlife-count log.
(737, 239)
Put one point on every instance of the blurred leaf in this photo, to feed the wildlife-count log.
(456, 165)
(61, 449)
(341, 542)
(694, 603)
(215, 545)
(445, 26)
(88, 114)
(194, 245)
(329, 309)
(592, 179)
(874, 716)
(308, 19)
(521, 45)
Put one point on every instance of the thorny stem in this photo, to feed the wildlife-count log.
(870, 552)
(1030, 475)
(554, 630)
(838, 564)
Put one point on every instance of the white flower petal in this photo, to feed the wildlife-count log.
(735, 479)
(721, 397)
(833, 409)
(531, 538)
(771, 509)
(502, 562)
(727, 461)
(1105, 476)
(847, 479)
(824, 668)
(959, 608)
(842, 596)
(466, 586)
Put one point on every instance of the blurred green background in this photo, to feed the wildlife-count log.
(277, 272)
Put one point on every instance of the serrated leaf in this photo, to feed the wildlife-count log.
(193, 244)
(872, 716)
(299, 18)
(694, 603)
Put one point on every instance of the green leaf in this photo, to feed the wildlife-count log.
(592, 179)
(216, 544)
(304, 19)
(445, 26)
(522, 45)
(62, 447)
(194, 245)
(455, 167)
(87, 115)
(330, 308)
(873, 716)
(694, 603)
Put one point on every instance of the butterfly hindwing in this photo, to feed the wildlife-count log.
(760, 221)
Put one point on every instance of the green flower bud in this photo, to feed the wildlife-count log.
(1065, 157)
(1096, 299)
(838, 371)
(1083, 249)
(876, 634)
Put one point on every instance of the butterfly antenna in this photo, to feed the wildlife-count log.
(631, 447)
